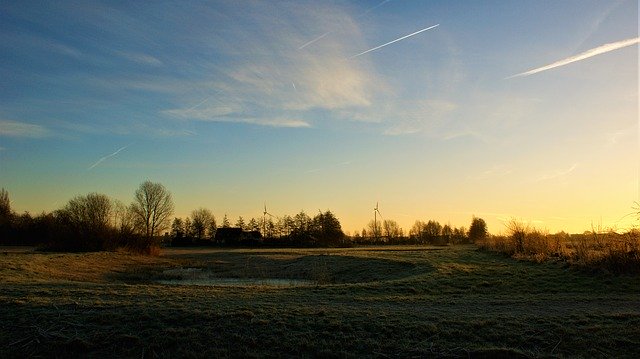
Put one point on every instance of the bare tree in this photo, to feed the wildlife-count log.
(5, 209)
(5, 204)
(152, 208)
(90, 213)
(123, 217)
(433, 229)
(202, 220)
(374, 229)
(418, 232)
(447, 232)
(391, 229)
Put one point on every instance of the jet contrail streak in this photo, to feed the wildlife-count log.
(396, 40)
(199, 104)
(106, 157)
(585, 55)
(314, 40)
(373, 8)
(328, 32)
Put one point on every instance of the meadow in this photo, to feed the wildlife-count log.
(387, 301)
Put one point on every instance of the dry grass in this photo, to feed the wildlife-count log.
(378, 302)
(602, 250)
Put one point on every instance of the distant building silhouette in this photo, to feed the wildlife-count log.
(237, 236)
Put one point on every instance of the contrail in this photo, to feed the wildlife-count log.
(374, 7)
(328, 32)
(314, 40)
(199, 104)
(106, 157)
(396, 40)
(585, 55)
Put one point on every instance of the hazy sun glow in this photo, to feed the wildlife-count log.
(234, 104)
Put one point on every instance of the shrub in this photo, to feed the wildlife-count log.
(603, 250)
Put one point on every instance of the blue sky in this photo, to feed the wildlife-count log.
(222, 102)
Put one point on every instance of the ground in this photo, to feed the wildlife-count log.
(354, 302)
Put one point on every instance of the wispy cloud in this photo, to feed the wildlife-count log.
(495, 171)
(582, 56)
(22, 129)
(419, 116)
(615, 137)
(557, 174)
(271, 122)
(275, 85)
(106, 157)
(140, 58)
(394, 41)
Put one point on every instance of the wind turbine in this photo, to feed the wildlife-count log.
(376, 213)
(264, 219)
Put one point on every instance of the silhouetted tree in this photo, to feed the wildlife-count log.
(201, 220)
(6, 217)
(177, 228)
(188, 228)
(301, 222)
(374, 229)
(447, 233)
(225, 222)
(391, 229)
(288, 225)
(478, 229)
(5, 204)
(123, 218)
(326, 228)
(90, 213)
(85, 222)
(270, 228)
(432, 230)
(152, 208)
(212, 229)
(240, 223)
(253, 225)
(418, 232)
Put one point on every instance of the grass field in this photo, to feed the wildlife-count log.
(374, 301)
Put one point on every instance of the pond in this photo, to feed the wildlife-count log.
(197, 276)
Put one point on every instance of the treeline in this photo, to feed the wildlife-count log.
(431, 232)
(93, 222)
(300, 230)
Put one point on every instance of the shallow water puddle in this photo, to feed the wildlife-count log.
(197, 276)
(240, 282)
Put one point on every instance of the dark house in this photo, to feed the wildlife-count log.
(234, 236)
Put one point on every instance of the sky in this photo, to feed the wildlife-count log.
(504, 110)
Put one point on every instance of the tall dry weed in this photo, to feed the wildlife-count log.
(598, 249)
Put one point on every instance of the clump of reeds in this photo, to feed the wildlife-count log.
(598, 249)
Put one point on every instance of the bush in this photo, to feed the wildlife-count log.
(609, 251)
